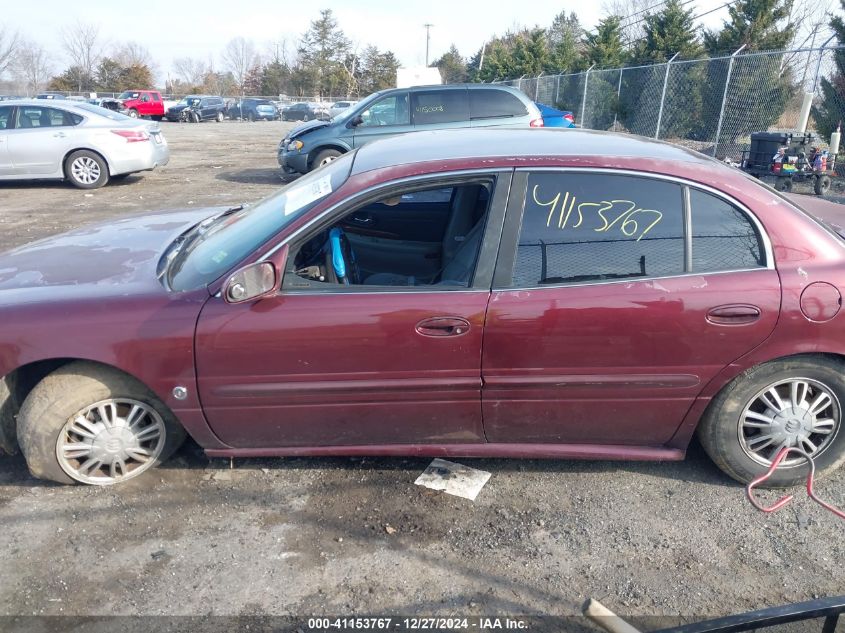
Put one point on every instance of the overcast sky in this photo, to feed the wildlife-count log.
(200, 28)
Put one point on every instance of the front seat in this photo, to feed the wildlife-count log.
(457, 271)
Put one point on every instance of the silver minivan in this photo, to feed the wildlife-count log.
(402, 110)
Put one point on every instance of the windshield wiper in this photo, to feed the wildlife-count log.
(186, 239)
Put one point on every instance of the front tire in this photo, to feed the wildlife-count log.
(86, 170)
(783, 183)
(792, 402)
(220, 117)
(133, 113)
(85, 423)
(324, 158)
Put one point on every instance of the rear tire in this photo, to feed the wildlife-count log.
(86, 170)
(220, 117)
(734, 433)
(822, 185)
(49, 425)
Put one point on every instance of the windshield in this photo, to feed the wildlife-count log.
(104, 112)
(216, 245)
(128, 95)
(359, 107)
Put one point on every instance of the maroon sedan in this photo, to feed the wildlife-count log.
(462, 293)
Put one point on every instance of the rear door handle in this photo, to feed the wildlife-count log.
(737, 314)
(443, 326)
(59, 134)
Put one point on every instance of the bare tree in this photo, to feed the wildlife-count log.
(632, 14)
(238, 57)
(190, 70)
(81, 41)
(9, 44)
(133, 54)
(278, 52)
(32, 66)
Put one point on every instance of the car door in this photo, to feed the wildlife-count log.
(343, 365)
(386, 117)
(6, 166)
(40, 139)
(440, 109)
(617, 297)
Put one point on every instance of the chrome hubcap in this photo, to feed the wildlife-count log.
(799, 412)
(85, 170)
(110, 441)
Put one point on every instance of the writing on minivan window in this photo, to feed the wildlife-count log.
(426, 109)
(605, 216)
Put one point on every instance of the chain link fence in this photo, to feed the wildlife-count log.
(711, 105)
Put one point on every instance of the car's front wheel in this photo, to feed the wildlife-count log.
(325, 157)
(86, 170)
(220, 117)
(85, 423)
(795, 402)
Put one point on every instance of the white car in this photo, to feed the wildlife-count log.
(339, 107)
(75, 141)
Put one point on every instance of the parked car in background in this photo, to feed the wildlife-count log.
(205, 108)
(306, 111)
(254, 110)
(108, 103)
(340, 106)
(403, 110)
(552, 117)
(472, 293)
(75, 141)
(142, 103)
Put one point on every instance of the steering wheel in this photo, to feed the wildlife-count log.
(343, 259)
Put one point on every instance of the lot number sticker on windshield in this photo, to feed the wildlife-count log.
(300, 196)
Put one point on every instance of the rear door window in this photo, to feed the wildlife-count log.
(5, 115)
(440, 106)
(488, 103)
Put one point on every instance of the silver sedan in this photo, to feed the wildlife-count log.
(79, 142)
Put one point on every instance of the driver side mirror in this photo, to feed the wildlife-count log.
(251, 282)
(356, 121)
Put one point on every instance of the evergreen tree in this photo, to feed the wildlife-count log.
(322, 51)
(453, 67)
(831, 111)
(604, 47)
(275, 78)
(758, 24)
(763, 84)
(669, 31)
(565, 43)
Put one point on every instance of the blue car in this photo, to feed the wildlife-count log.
(552, 117)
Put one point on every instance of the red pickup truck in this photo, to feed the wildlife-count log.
(143, 103)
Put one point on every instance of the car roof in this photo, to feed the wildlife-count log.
(59, 103)
(519, 145)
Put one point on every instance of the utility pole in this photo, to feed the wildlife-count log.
(427, 39)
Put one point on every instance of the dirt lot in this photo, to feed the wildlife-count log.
(344, 536)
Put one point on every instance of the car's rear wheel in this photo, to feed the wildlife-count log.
(325, 157)
(86, 170)
(85, 423)
(788, 403)
(783, 183)
(251, 117)
(220, 117)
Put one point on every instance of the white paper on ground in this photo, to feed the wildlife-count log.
(454, 479)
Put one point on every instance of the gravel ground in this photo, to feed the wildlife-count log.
(346, 536)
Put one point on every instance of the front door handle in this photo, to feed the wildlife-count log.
(443, 326)
(737, 314)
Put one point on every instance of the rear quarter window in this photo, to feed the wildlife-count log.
(491, 104)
